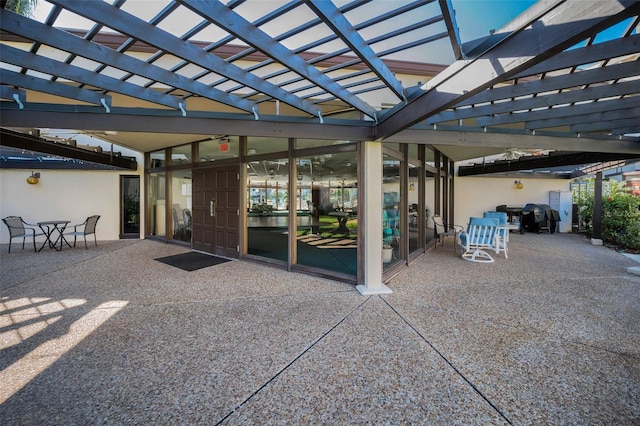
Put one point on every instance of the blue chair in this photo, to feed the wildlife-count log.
(503, 234)
(479, 236)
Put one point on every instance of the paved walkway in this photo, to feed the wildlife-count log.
(110, 336)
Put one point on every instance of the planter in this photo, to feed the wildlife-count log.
(387, 254)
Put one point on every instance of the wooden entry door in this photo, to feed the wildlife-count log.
(215, 210)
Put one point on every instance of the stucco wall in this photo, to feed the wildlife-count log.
(475, 195)
(64, 195)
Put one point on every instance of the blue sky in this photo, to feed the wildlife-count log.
(476, 17)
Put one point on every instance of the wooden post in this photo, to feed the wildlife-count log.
(596, 238)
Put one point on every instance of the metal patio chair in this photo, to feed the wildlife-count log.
(479, 236)
(83, 229)
(19, 228)
(443, 230)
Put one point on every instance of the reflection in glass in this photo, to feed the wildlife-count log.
(328, 196)
(157, 226)
(412, 210)
(268, 208)
(429, 197)
(260, 145)
(130, 203)
(181, 205)
(430, 194)
(392, 237)
(181, 154)
(157, 159)
(313, 143)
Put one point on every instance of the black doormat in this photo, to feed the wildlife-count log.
(192, 261)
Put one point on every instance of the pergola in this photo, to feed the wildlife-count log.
(562, 76)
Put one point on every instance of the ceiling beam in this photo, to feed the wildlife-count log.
(235, 24)
(235, 52)
(586, 55)
(90, 118)
(558, 82)
(494, 139)
(352, 62)
(448, 14)
(553, 159)
(608, 123)
(47, 35)
(50, 87)
(222, 45)
(540, 35)
(335, 20)
(553, 117)
(328, 61)
(32, 143)
(629, 129)
(114, 18)
(145, 120)
(539, 101)
(11, 93)
(585, 114)
(135, 27)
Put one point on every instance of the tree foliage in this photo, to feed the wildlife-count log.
(620, 216)
(21, 7)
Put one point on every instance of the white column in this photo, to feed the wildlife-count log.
(372, 221)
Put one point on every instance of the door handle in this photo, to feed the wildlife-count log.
(212, 208)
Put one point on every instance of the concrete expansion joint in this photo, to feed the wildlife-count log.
(293, 361)
(445, 359)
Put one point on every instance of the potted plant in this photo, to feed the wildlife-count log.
(387, 237)
(387, 248)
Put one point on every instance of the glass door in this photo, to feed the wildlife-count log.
(129, 206)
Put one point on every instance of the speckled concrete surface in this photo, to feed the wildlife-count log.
(110, 336)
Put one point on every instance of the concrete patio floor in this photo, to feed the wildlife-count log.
(110, 336)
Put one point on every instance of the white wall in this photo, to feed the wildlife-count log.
(475, 195)
(65, 195)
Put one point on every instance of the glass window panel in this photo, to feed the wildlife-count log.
(391, 201)
(260, 145)
(181, 202)
(430, 156)
(328, 198)
(181, 154)
(219, 149)
(130, 205)
(413, 151)
(392, 145)
(429, 199)
(158, 159)
(157, 182)
(268, 204)
(313, 143)
(412, 210)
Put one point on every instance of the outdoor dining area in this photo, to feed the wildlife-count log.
(481, 236)
(55, 233)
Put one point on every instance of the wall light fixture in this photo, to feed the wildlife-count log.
(34, 178)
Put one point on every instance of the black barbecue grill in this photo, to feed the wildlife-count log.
(532, 217)
(539, 217)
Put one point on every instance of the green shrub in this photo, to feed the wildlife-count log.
(620, 216)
